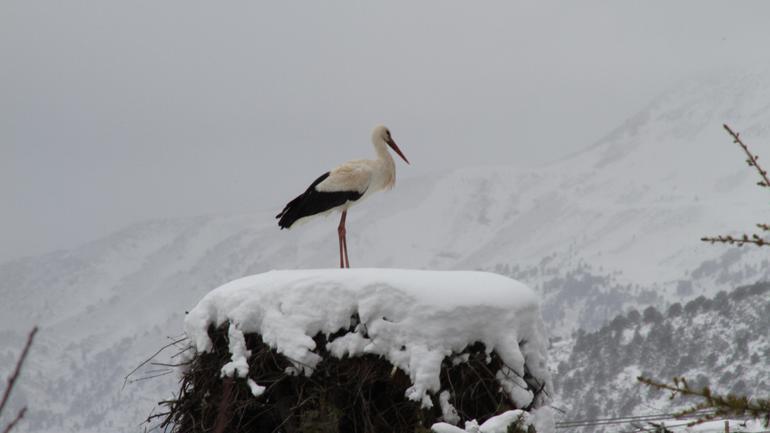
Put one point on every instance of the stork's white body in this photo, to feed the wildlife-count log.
(344, 186)
(365, 176)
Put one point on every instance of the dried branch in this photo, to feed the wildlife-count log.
(745, 239)
(723, 405)
(18, 418)
(12, 381)
(143, 363)
(19, 364)
(755, 239)
(151, 376)
(752, 160)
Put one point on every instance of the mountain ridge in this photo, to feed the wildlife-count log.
(613, 228)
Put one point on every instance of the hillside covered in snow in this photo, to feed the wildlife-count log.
(721, 342)
(609, 229)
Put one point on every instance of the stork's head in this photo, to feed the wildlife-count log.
(381, 134)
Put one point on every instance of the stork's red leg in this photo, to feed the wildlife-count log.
(343, 242)
(345, 249)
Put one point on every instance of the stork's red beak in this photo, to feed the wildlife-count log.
(393, 146)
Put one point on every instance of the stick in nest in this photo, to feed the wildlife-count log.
(352, 394)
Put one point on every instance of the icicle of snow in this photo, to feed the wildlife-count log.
(256, 390)
(448, 411)
(238, 365)
(515, 386)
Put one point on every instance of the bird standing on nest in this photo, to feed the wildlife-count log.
(344, 186)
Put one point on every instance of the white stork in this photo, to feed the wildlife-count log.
(344, 186)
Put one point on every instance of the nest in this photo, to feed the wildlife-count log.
(363, 394)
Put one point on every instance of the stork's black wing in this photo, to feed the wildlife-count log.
(313, 202)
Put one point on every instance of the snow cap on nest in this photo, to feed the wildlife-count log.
(414, 319)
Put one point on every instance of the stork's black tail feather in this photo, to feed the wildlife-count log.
(288, 215)
(291, 212)
(312, 202)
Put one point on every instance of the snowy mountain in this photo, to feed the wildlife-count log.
(610, 228)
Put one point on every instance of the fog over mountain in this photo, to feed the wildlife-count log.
(577, 147)
(115, 112)
(611, 228)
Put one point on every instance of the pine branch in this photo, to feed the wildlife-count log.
(723, 405)
(12, 381)
(752, 159)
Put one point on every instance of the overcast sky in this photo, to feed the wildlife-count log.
(117, 111)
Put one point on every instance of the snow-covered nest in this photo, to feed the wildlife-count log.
(443, 331)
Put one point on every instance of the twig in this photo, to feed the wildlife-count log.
(18, 418)
(752, 159)
(125, 378)
(724, 405)
(745, 239)
(165, 373)
(15, 374)
(163, 364)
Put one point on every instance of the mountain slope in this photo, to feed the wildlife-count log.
(721, 342)
(613, 227)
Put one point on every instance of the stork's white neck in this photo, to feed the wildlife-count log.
(381, 148)
(387, 167)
